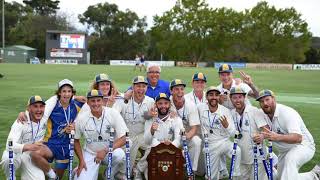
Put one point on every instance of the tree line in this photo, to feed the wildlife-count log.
(189, 31)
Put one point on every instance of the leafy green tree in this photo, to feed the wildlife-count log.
(193, 31)
(271, 35)
(43, 7)
(117, 34)
(32, 30)
(14, 13)
(182, 32)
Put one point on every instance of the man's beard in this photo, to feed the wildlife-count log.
(211, 104)
(163, 111)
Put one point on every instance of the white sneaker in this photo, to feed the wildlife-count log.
(316, 170)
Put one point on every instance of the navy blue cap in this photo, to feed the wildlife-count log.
(139, 79)
(264, 93)
(94, 93)
(199, 76)
(35, 99)
(101, 78)
(162, 96)
(177, 82)
(225, 68)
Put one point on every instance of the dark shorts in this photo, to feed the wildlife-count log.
(60, 155)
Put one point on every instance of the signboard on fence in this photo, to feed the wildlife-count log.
(62, 61)
(132, 63)
(264, 66)
(306, 66)
(186, 64)
(233, 64)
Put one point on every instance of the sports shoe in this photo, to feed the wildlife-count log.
(316, 170)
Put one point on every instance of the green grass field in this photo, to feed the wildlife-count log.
(298, 89)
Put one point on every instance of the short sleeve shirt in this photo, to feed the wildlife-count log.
(91, 128)
(285, 121)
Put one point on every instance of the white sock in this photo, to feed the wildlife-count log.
(51, 174)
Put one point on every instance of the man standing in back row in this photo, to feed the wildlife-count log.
(227, 82)
(155, 84)
(197, 95)
(187, 111)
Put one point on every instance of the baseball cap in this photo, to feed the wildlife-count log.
(35, 99)
(65, 82)
(177, 82)
(199, 76)
(225, 68)
(94, 93)
(264, 93)
(237, 90)
(102, 77)
(139, 79)
(212, 88)
(162, 96)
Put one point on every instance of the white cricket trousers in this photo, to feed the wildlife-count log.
(92, 172)
(23, 161)
(137, 142)
(290, 162)
(194, 148)
(217, 150)
(247, 172)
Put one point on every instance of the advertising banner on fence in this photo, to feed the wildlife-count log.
(62, 61)
(132, 63)
(264, 66)
(233, 64)
(186, 64)
(306, 66)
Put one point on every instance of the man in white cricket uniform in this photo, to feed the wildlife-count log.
(135, 113)
(227, 82)
(290, 136)
(25, 138)
(248, 120)
(197, 95)
(187, 111)
(95, 127)
(163, 129)
(216, 121)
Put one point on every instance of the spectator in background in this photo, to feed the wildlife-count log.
(142, 63)
(138, 61)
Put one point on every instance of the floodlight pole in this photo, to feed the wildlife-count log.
(3, 29)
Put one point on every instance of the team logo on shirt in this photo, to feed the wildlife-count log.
(108, 129)
(246, 123)
(62, 130)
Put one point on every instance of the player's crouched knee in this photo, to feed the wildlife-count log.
(118, 155)
(196, 141)
(35, 155)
